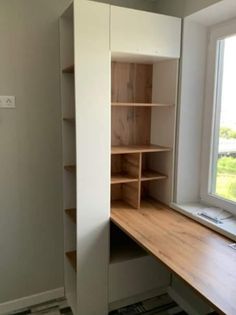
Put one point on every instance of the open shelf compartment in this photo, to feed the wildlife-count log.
(152, 171)
(126, 192)
(125, 168)
(69, 69)
(71, 256)
(71, 213)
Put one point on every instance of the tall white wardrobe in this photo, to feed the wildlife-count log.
(119, 82)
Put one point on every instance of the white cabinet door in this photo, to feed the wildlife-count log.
(144, 33)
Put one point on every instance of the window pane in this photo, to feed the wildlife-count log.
(224, 151)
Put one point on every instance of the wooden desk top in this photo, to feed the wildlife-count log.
(201, 257)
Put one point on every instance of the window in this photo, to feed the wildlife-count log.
(219, 153)
(223, 175)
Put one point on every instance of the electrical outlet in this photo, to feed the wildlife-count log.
(7, 102)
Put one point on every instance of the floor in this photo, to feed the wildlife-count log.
(162, 305)
(56, 307)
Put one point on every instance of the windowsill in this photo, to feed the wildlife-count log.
(226, 227)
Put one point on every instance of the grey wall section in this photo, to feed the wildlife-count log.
(192, 6)
(178, 8)
(170, 7)
(31, 237)
(182, 8)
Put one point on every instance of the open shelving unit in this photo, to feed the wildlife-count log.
(142, 137)
(69, 153)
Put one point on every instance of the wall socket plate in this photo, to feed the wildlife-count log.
(7, 102)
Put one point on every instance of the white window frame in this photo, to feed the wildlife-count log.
(211, 115)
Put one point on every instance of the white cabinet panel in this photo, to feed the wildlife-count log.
(92, 86)
(139, 32)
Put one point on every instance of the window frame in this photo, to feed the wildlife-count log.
(212, 113)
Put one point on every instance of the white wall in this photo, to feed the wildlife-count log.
(181, 8)
(31, 237)
(189, 137)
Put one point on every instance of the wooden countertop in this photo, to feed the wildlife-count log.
(201, 257)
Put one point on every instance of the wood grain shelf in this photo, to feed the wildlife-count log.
(199, 256)
(72, 259)
(138, 149)
(115, 104)
(70, 168)
(152, 175)
(71, 213)
(122, 178)
(69, 69)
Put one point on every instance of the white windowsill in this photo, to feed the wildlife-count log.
(227, 227)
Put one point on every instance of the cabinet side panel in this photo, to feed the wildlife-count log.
(165, 83)
(92, 82)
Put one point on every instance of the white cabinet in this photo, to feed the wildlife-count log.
(87, 78)
(144, 33)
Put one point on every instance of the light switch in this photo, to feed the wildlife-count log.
(7, 102)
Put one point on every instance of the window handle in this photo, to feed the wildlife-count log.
(209, 217)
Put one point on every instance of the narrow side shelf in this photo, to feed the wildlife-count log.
(69, 119)
(72, 258)
(116, 104)
(69, 69)
(71, 213)
(68, 124)
(138, 149)
(70, 168)
(148, 175)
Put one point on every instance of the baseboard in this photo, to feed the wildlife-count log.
(137, 298)
(12, 306)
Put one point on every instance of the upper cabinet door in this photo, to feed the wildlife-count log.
(144, 33)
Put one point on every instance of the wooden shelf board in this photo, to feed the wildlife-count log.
(141, 104)
(69, 69)
(67, 119)
(198, 255)
(72, 258)
(71, 213)
(122, 178)
(70, 168)
(152, 175)
(138, 149)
